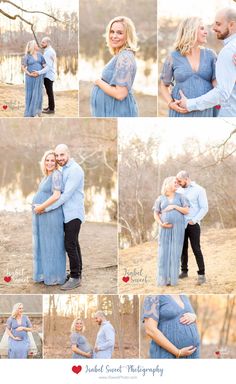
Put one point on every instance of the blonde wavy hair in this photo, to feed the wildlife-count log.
(42, 162)
(72, 329)
(187, 35)
(166, 184)
(30, 47)
(15, 309)
(131, 36)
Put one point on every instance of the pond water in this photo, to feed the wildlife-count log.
(67, 68)
(145, 80)
(20, 176)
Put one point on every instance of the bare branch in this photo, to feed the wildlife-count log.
(27, 11)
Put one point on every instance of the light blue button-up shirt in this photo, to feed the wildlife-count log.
(72, 197)
(50, 69)
(225, 91)
(105, 341)
(198, 202)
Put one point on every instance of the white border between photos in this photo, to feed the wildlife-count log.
(59, 371)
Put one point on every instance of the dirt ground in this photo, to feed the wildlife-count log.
(219, 250)
(147, 104)
(12, 103)
(99, 250)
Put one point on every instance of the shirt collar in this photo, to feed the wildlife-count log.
(228, 39)
(69, 163)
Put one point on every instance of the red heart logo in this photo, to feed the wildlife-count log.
(125, 279)
(76, 369)
(7, 279)
(4, 106)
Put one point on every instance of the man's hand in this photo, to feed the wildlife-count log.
(96, 349)
(176, 107)
(183, 101)
(34, 74)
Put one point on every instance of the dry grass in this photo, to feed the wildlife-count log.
(219, 249)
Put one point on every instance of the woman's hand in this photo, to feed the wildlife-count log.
(19, 329)
(38, 209)
(88, 354)
(186, 351)
(188, 318)
(96, 82)
(176, 107)
(17, 338)
(169, 208)
(166, 225)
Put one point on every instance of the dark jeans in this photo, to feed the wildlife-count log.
(72, 246)
(192, 233)
(49, 89)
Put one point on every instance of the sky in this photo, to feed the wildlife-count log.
(173, 132)
(43, 5)
(184, 8)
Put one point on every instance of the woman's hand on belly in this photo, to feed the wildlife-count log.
(166, 225)
(188, 318)
(169, 207)
(186, 351)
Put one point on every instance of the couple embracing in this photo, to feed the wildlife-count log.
(178, 211)
(58, 212)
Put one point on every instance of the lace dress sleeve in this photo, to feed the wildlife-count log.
(28, 322)
(157, 205)
(57, 181)
(151, 308)
(9, 323)
(125, 70)
(167, 74)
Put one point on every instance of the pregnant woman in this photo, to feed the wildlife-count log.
(169, 210)
(18, 326)
(33, 61)
(171, 323)
(48, 230)
(112, 95)
(79, 344)
(189, 68)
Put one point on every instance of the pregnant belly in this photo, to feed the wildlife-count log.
(21, 334)
(40, 197)
(172, 217)
(183, 335)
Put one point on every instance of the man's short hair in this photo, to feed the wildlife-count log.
(182, 175)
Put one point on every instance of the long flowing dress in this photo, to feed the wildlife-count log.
(167, 312)
(81, 343)
(178, 72)
(170, 239)
(48, 236)
(120, 71)
(18, 349)
(33, 85)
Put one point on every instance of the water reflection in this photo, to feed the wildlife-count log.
(145, 80)
(67, 67)
(20, 175)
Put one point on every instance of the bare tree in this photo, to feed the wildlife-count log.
(24, 19)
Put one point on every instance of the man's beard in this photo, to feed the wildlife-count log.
(223, 35)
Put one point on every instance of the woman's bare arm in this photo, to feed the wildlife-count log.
(118, 92)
